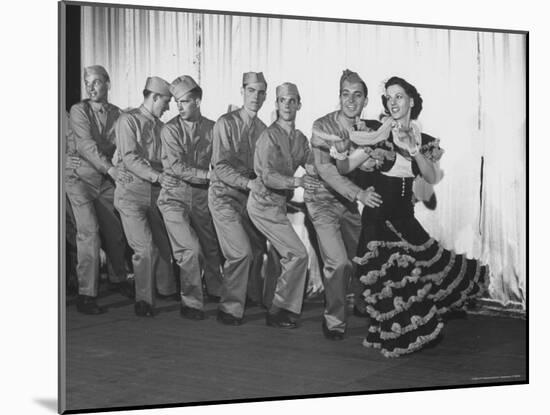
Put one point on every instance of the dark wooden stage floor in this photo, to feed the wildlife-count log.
(117, 359)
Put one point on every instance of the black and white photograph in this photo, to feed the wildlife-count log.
(281, 209)
(268, 207)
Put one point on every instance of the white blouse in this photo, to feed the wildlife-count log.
(401, 168)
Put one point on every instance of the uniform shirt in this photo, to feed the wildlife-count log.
(325, 166)
(187, 149)
(279, 152)
(92, 136)
(138, 143)
(234, 142)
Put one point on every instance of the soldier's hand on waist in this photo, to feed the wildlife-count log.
(73, 161)
(167, 181)
(256, 186)
(369, 197)
(120, 175)
(311, 183)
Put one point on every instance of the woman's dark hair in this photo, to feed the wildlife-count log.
(410, 90)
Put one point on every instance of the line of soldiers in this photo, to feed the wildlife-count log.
(192, 187)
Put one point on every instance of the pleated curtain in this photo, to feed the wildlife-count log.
(472, 83)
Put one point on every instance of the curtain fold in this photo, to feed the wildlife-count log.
(472, 83)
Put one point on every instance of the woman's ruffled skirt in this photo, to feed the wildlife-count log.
(409, 287)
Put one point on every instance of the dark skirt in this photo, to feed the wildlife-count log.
(410, 281)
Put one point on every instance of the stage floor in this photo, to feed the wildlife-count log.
(119, 360)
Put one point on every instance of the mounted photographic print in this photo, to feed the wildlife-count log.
(262, 207)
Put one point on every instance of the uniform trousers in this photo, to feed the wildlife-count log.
(146, 234)
(193, 240)
(242, 245)
(271, 219)
(338, 229)
(96, 222)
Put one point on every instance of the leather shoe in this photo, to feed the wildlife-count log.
(228, 319)
(332, 334)
(144, 309)
(191, 313)
(87, 305)
(280, 319)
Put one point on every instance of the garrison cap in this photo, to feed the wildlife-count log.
(350, 76)
(253, 78)
(182, 85)
(158, 85)
(287, 88)
(98, 70)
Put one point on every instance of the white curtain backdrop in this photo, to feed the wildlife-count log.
(473, 85)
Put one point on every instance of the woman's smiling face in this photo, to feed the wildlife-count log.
(398, 103)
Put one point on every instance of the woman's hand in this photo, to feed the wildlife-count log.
(370, 165)
(369, 197)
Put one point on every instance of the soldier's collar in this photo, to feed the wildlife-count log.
(147, 113)
(247, 116)
(99, 106)
(287, 127)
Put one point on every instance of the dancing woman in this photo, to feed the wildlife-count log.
(410, 280)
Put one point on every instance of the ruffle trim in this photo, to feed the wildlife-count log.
(387, 291)
(396, 258)
(428, 263)
(416, 345)
(413, 247)
(465, 295)
(415, 276)
(373, 248)
(416, 323)
(441, 294)
(399, 304)
(438, 276)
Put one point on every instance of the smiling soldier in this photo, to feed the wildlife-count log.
(90, 188)
(333, 208)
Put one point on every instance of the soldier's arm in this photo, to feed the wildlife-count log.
(224, 160)
(85, 144)
(128, 149)
(173, 155)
